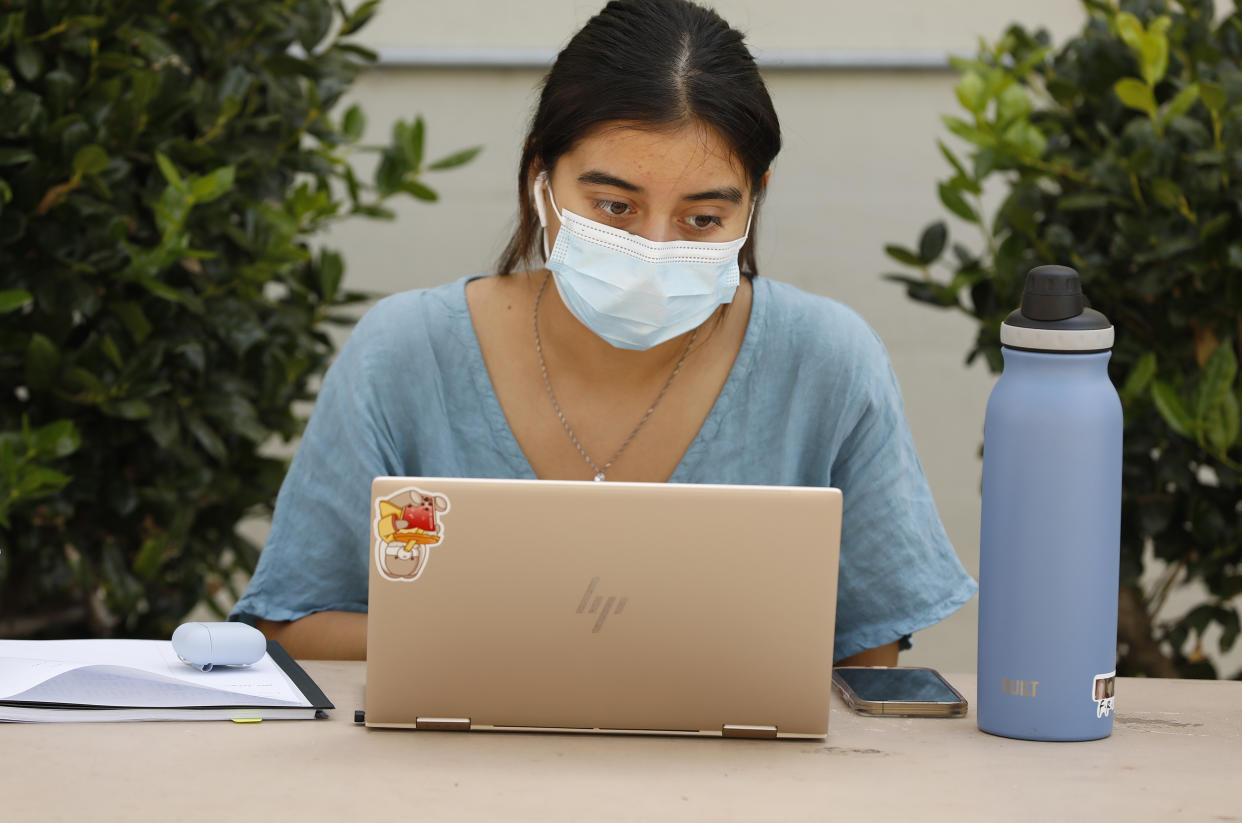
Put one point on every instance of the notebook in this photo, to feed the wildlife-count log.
(531, 605)
(101, 680)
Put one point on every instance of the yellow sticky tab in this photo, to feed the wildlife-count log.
(247, 719)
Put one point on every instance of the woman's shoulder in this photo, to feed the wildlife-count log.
(408, 332)
(801, 324)
(431, 310)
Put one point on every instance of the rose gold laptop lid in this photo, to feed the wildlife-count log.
(609, 607)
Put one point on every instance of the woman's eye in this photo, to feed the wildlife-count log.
(613, 207)
(703, 221)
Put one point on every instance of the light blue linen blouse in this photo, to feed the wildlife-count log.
(811, 401)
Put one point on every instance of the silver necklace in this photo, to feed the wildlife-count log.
(547, 384)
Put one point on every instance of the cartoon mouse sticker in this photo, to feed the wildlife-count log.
(406, 525)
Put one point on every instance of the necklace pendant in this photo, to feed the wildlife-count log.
(599, 478)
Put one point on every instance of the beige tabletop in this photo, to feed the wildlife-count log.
(1175, 754)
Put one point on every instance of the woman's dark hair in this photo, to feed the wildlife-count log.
(659, 63)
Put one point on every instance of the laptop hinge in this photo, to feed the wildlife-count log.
(443, 724)
(738, 730)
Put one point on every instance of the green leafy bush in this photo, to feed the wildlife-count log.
(162, 168)
(1120, 154)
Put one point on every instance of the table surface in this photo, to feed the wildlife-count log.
(1175, 754)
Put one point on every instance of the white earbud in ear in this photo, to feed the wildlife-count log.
(541, 182)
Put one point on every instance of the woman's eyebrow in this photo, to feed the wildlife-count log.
(731, 194)
(603, 178)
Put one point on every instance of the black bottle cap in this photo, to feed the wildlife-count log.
(1052, 293)
(360, 716)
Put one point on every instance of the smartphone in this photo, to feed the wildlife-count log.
(903, 691)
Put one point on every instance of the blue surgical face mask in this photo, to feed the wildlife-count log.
(633, 292)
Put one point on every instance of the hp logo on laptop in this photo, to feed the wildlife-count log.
(598, 604)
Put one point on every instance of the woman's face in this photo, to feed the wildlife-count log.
(680, 184)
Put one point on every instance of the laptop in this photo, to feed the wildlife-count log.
(566, 606)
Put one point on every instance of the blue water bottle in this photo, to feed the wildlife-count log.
(1050, 537)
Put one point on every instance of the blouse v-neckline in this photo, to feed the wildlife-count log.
(506, 442)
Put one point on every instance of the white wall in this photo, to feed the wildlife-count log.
(858, 171)
(908, 25)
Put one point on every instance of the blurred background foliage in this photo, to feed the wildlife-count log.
(164, 165)
(1119, 153)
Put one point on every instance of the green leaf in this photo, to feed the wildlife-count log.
(1214, 226)
(1140, 377)
(8, 460)
(352, 186)
(210, 186)
(1181, 104)
(1230, 627)
(972, 93)
(127, 409)
(150, 556)
(931, 244)
(28, 60)
(170, 215)
(1167, 193)
(389, 172)
(1213, 96)
(316, 21)
(417, 189)
(375, 212)
(1012, 104)
(1216, 379)
(169, 293)
(111, 351)
(1031, 61)
(986, 161)
(1029, 141)
(1221, 423)
(903, 255)
(40, 482)
(235, 84)
(952, 158)
(360, 17)
(967, 132)
(206, 437)
(1130, 28)
(354, 124)
(456, 159)
(1171, 408)
(369, 55)
(413, 146)
(42, 362)
(10, 156)
(1136, 95)
(1206, 157)
(169, 171)
(90, 159)
(957, 204)
(1154, 54)
(14, 299)
(1084, 201)
(331, 268)
(918, 288)
(135, 320)
(89, 383)
(59, 439)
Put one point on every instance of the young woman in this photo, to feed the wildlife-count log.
(625, 336)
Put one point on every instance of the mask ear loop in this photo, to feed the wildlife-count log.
(540, 186)
(746, 234)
